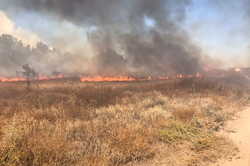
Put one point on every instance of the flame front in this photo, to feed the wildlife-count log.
(15, 79)
(128, 79)
(107, 79)
(102, 78)
(21, 79)
(237, 70)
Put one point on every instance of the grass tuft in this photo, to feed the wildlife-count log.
(113, 123)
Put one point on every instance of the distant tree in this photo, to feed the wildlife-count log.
(29, 73)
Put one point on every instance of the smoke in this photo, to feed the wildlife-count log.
(156, 53)
(125, 36)
(45, 60)
(7, 26)
(96, 12)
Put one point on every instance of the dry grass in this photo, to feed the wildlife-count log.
(114, 123)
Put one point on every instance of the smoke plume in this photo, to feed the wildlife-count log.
(142, 37)
(7, 26)
(14, 54)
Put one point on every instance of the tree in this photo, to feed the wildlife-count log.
(29, 73)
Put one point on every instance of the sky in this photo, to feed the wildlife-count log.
(220, 29)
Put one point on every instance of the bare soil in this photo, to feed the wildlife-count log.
(239, 132)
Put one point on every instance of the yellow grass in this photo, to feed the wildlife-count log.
(112, 123)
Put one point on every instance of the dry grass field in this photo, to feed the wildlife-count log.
(172, 123)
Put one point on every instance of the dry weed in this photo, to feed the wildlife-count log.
(113, 123)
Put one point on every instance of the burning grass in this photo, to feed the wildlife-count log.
(115, 123)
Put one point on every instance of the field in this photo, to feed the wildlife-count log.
(64, 123)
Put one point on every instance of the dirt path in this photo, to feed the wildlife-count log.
(240, 135)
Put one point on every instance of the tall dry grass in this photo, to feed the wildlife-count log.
(115, 123)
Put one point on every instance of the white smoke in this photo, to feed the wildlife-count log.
(7, 26)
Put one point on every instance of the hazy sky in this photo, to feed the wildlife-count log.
(222, 29)
(219, 27)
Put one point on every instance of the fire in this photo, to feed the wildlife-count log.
(129, 79)
(107, 79)
(21, 79)
(15, 79)
(46, 78)
(237, 70)
(102, 78)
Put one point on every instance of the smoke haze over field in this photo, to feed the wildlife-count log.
(8, 27)
(111, 37)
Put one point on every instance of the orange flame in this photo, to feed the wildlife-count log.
(106, 79)
(103, 78)
(129, 79)
(46, 78)
(237, 70)
(20, 79)
(15, 79)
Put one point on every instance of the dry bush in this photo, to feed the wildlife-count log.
(185, 114)
(112, 123)
(177, 131)
(27, 141)
(117, 135)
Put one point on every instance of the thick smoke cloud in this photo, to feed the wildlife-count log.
(158, 54)
(7, 26)
(11, 54)
(14, 54)
(97, 12)
(127, 36)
